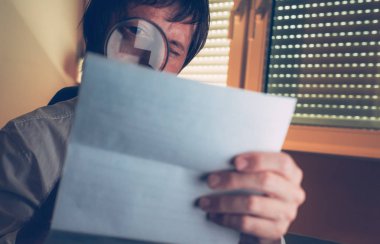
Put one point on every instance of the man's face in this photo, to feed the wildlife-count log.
(179, 35)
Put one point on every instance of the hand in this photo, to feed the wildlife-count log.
(265, 217)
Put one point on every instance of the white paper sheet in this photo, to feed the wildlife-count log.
(140, 144)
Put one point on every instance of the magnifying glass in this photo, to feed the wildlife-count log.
(138, 41)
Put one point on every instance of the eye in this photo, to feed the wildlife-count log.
(135, 30)
(174, 53)
(131, 31)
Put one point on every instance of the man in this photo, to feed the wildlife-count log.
(32, 147)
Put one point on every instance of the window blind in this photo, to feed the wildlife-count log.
(327, 55)
(211, 64)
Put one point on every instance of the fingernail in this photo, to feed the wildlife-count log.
(204, 202)
(214, 180)
(241, 164)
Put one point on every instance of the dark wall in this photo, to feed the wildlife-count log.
(343, 198)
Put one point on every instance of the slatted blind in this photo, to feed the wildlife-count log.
(327, 54)
(211, 64)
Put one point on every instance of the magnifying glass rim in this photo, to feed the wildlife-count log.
(150, 22)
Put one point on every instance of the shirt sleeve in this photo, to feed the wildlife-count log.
(20, 194)
(32, 151)
(283, 240)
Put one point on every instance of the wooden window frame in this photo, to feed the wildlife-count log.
(248, 61)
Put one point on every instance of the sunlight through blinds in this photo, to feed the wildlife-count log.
(211, 64)
(327, 55)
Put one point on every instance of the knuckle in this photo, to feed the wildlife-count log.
(286, 163)
(286, 156)
(291, 215)
(257, 159)
(266, 180)
(252, 204)
(231, 180)
(301, 197)
(245, 224)
(280, 229)
(300, 174)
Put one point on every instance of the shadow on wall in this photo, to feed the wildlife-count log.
(38, 54)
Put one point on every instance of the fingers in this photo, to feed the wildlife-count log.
(257, 206)
(266, 216)
(270, 184)
(279, 163)
(251, 225)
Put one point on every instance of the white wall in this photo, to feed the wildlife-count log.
(39, 45)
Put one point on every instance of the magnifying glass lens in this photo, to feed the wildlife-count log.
(138, 41)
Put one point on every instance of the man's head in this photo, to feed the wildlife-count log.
(184, 22)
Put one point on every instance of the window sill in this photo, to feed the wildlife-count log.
(337, 141)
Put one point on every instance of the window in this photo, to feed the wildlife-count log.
(323, 52)
(327, 55)
(211, 64)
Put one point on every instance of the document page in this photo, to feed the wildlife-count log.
(142, 142)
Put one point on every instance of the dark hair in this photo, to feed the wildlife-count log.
(100, 14)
